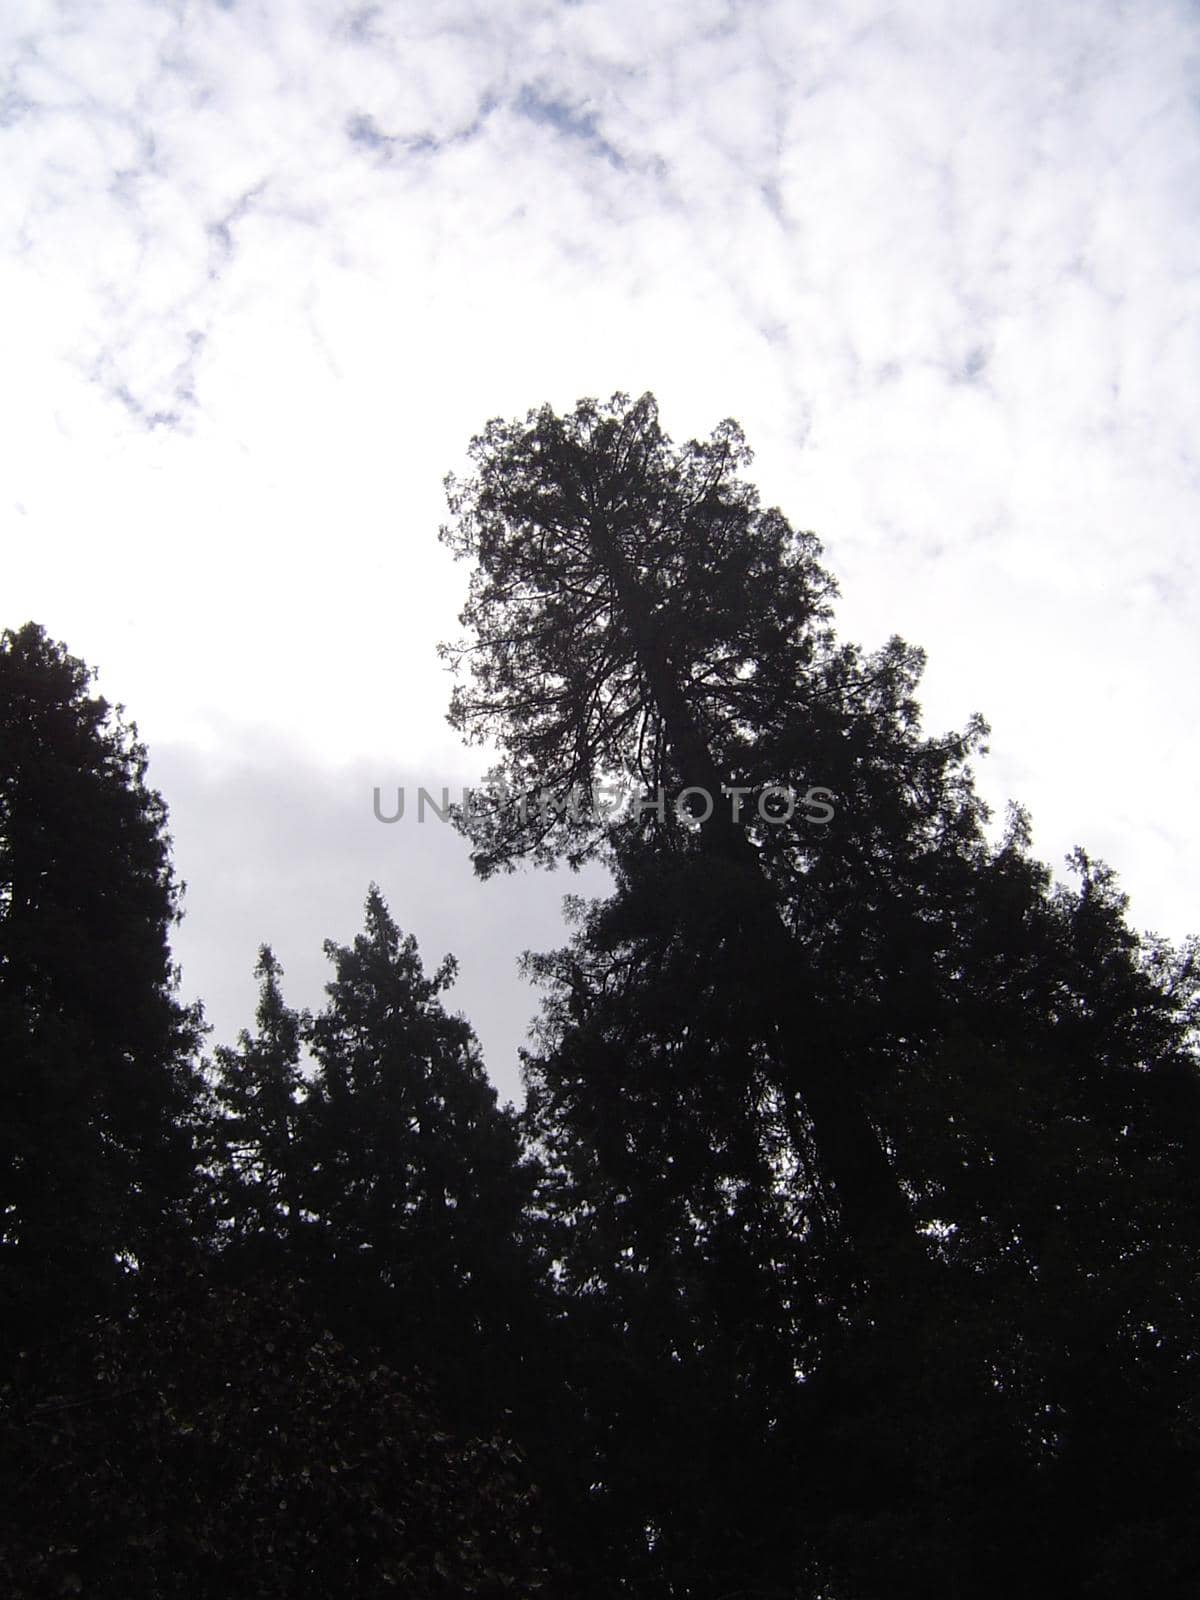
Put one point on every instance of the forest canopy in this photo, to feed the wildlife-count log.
(845, 1245)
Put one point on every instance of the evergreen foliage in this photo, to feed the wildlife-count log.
(847, 1244)
(212, 1443)
(98, 1089)
(839, 1121)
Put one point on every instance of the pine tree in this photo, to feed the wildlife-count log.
(417, 1184)
(174, 1419)
(779, 1039)
(383, 1187)
(99, 1091)
(636, 616)
(259, 1152)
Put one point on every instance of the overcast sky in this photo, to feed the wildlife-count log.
(266, 265)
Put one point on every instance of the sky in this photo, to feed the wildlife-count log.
(267, 265)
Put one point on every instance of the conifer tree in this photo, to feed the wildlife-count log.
(258, 1135)
(416, 1184)
(636, 616)
(99, 1091)
(383, 1186)
(779, 1039)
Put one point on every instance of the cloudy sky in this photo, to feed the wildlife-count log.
(266, 265)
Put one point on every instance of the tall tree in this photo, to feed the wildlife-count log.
(99, 1089)
(636, 615)
(781, 1035)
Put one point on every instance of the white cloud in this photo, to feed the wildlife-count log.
(271, 264)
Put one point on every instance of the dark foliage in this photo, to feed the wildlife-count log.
(98, 1089)
(214, 1442)
(851, 1130)
(387, 1178)
(847, 1245)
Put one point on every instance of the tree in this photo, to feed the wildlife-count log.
(99, 1092)
(1044, 1117)
(412, 1182)
(259, 1151)
(634, 613)
(176, 1418)
(780, 1037)
(385, 1188)
(632, 610)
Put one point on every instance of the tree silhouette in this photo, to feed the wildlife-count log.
(99, 1091)
(848, 1243)
(259, 1153)
(1044, 1119)
(780, 1038)
(175, 1415)
(387, 1180)
(635, 614)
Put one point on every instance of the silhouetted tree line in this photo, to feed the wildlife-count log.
(846, 1245)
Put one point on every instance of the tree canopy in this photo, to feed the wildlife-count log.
(839, 1119)
(847, 1245)
(632, 613)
